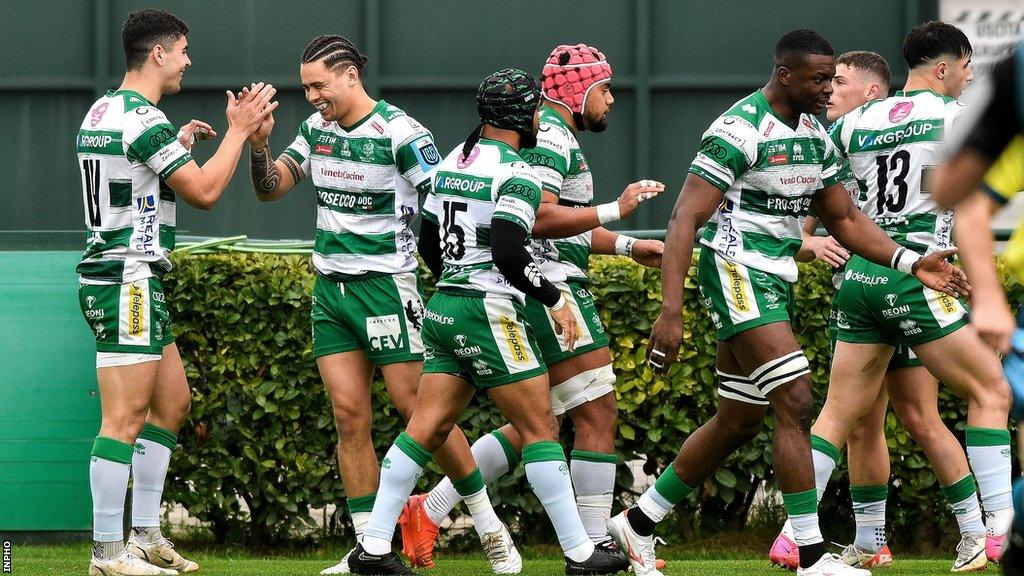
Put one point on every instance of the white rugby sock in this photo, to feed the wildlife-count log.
(109, 469)
(826, 458)
(548, 473)
(963, 499)
(492, 453)
(150, 460)
(593, 478)
(869, 513)
(988, 451)
(475, 496)
(399, 471)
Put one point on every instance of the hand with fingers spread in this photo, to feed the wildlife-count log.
(828, 250)
(637, 193)
(666, 337)
(648, 252)
(247, 111)
(195, 131)
(565, 323)
(935, 271)
(261, 136)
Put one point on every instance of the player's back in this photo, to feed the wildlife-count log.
(891, 145)
(466, 193)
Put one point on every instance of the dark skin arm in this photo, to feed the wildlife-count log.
(696, 203)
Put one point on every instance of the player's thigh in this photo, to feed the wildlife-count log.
(914, 394)
(444, 398)
(171, 397)
(402, 380)
(347, 377)
(518, 401)
(962, 361)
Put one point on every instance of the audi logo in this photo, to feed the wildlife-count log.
(161, 137)
(714, 150)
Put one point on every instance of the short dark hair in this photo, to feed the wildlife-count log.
(872, 62)
(802, 42)
(335, 51)
(146, 28)
(932, 40)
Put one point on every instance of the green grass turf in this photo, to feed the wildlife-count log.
(29, 560)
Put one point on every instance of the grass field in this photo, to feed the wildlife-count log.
(73, 560)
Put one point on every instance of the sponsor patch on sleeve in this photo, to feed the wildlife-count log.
(426, 153)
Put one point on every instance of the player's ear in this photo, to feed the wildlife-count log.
(941, 69)
(158, 54)
(784, 75)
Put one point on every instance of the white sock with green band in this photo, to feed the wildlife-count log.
(869, 513)
(399, 470)
(548, 474)
(474, 494)
(109, 469)
(150, 460)
(593, 478)
(494, 456)
(826, 459)
(962, 497)
(988, 451)
(802, 508)
(359, 509)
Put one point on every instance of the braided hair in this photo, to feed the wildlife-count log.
(335, 52)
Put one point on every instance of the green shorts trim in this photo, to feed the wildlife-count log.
(581, 302)
(129, 318)
(486, 340)
(902, 356)
(382, 315)
(739, 297)
(879, 305)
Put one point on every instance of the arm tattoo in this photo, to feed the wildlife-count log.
(266, 177)
(292, 167)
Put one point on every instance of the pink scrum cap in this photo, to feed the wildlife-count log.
(571, 71)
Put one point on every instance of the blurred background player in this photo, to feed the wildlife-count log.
(476, 228)
(577, 96)
(985, 171)
(768, 141)
(862, 77)
(369, 161)
(133, 164)
(889, 144)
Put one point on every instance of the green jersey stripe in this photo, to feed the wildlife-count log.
(762, 202)
(362, 150)
(711, 178)
(576, 254)
(100, 142)
(173, 166)
(361, 202)
(770, 246)
(150, 142)
(328, 243)
(120, 193)
(926, 130)
(463, 185)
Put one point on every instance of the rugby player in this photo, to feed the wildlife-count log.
(369, 162)
(477, 221)
(133, 162)
(577, 96)
(760, 168)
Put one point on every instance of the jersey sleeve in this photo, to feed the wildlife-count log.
(416, 154)
(150, 138)
(727, 149)
(518, 197)
(832, 164)
(299, 149)
(431, 207)
(550, 158)
(1005, 178)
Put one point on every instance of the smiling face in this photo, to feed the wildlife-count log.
(329, 91)
(808, 82)
(172, 61)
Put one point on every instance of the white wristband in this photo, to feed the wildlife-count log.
(904, 260)
(558, 305)
(624, 245)
(608, 213)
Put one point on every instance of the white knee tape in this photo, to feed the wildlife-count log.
(582, 388)
(779, 371)
(739, 388)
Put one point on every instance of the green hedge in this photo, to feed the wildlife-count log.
(261, 426)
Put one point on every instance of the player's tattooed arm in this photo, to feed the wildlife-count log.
(272, 179)
(266, 178)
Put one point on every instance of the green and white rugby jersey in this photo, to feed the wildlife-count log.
(367, 179)
(890, 145)
(768, 171)
(126, 150)
(493, 182)
(563, 171)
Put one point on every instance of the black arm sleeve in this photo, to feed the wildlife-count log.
(1000, 119)
(508, 248)
(430, 246)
